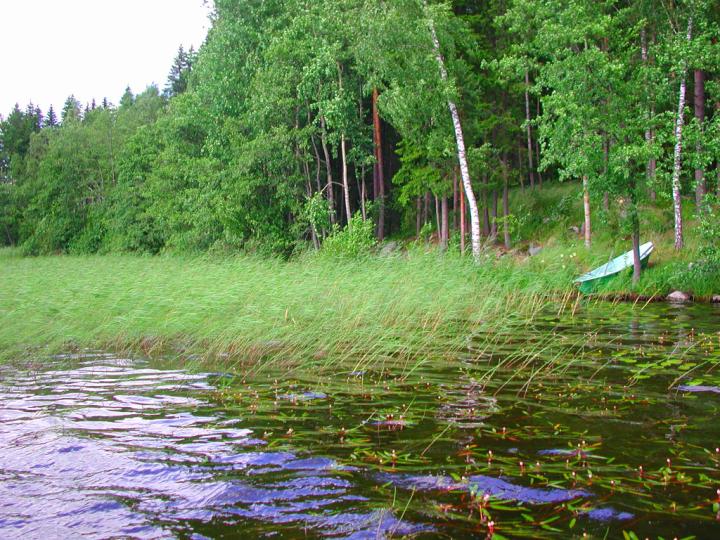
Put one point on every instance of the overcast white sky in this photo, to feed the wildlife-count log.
(91, 48)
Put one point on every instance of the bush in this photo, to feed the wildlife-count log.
(355, 240)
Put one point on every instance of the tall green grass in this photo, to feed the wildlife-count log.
(316, 309)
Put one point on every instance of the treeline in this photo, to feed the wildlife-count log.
(296, 115)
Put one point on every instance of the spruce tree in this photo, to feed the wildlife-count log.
(178, 77)
(51, 118)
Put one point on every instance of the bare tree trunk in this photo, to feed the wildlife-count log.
(606, 158)
(455, 199)
(426, 208)
(343, 154)
(437, 215)
(635, 224)
(328, 170)
(462, 158)
(362, 191)
(531, 169)
(486, 207)
(679, 122)
(313, 231)
(586, 208)
(519, 163)
(444, 230)
(637, 265)
(537, 149)
(378, 171)
(506, 205)
(346, 186)
(463, 226)
(700, 187)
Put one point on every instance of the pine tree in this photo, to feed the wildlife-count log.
(51, 118)
(127, 98)
(177, 82)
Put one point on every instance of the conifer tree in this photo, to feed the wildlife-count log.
(51, 118)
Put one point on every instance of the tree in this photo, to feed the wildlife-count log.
(51, 119)
(178, 77)
(127, 99)
(71, 110)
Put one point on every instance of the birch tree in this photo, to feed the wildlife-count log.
(460, 140)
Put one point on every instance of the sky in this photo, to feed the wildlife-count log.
(91, 48)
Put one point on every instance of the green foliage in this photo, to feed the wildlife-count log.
(355, 240)
(244, 149)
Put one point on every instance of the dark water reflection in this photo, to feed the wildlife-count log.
(102, 447)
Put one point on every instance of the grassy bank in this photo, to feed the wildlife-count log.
(551, 218)
(315, 308)
(414, 304)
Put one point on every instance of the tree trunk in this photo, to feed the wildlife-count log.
(343, 153)
(363, 192)
(586, 208)
(462, 158)
(531, 169)
(313, 231)
(426, 208)
(437, 216)
(328, 170)
(637, 266)
(537, 150)
(444, 231)
(455, 200)
(463, 226)
(606, 158)
(700, 188)
(378, 171)
(493, 215)
(635, 225)
(506, 206)
(346, 186)
(677, 166)
(519, 164)
(486, 207)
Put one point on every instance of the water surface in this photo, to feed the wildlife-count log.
(597, 422)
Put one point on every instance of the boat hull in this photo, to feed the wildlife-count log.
(589, 284)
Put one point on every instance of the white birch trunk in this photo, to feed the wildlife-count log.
(346, 186)
(586, 207)
(677, 201)
(462, 157)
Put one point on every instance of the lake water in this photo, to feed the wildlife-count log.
(595, 423)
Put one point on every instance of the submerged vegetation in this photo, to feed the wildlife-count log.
(592, 423)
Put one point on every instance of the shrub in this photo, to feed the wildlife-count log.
(355, 240)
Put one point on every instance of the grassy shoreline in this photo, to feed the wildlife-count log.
(251, 308)
(315, 310)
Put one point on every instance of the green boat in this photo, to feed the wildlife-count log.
(590, 282)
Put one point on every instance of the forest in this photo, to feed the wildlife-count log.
(330, 125)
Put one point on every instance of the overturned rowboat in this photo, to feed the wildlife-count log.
(590, 282)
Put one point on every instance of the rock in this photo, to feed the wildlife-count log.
(534, 250)
(389, 248)
(678, 297)
(716, 299)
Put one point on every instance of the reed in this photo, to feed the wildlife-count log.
(315, 311)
